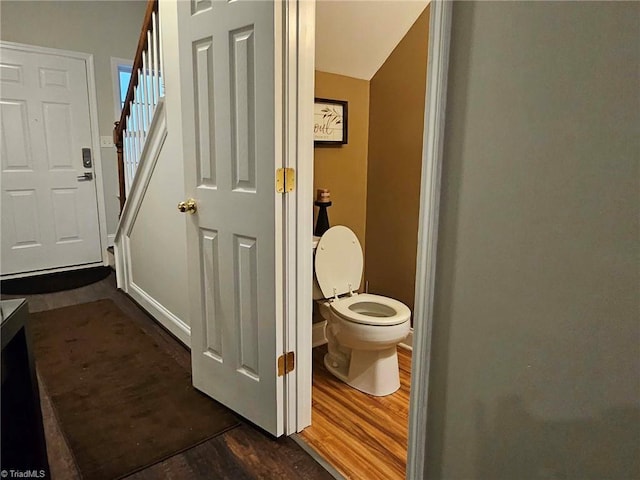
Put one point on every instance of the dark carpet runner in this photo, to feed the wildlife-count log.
(54, 282)
(122, 403)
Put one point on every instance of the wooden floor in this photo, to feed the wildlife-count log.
(244, 452)
(362, 436)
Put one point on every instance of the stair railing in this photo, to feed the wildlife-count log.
(145, 89)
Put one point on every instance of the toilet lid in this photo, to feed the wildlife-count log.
(338, 262)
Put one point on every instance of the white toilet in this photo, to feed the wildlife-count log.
(362, 330)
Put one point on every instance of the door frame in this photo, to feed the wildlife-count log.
(432, 153)
(299, 85)
(95, 146)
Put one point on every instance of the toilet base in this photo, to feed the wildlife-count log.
(374, 372)
(318, 335)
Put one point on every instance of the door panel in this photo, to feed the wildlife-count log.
(246, 272)
(212, 315)
(10, 73)
(53, 77)
(243, 109)
(205, 111)
(65, 214)
(21, 227)
(57, 127)
(49, 216)
(234, 239)
(16, 154)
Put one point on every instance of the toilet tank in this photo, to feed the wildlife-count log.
(317, 293)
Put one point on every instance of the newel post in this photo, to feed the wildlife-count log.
(117, 141)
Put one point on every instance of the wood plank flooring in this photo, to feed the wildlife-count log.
(242, 453)
(362, 436)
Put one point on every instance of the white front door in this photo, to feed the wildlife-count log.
(49, 209)
(232, 148)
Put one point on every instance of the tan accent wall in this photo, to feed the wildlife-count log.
(396, 104)
(343, 170)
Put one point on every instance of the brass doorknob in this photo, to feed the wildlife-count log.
(188, 206)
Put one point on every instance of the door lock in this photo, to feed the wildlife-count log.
(87, 177)
(86, 157)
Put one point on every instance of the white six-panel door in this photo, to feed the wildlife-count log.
(234, 241)
(49, 215)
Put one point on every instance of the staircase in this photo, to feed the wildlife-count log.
(150, 241)
(145, 90)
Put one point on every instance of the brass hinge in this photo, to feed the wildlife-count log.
(286, 363)
(285, 180)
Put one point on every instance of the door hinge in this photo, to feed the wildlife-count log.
(286, 363)
(285, 180)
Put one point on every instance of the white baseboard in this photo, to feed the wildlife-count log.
(407, 344)
(168, 320)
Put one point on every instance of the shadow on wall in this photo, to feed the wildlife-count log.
(519, 445)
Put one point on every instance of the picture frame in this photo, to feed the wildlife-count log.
(330, 122)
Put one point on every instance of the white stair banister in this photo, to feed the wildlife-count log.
(143, 94)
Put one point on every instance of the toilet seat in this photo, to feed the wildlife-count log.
(368, 309)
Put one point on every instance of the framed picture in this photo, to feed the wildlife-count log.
(329, 122)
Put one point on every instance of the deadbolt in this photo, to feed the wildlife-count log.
(86, 157)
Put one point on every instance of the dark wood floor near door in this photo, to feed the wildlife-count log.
(362, 436)
(242, 453)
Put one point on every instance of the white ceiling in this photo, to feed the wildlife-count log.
(355, 37)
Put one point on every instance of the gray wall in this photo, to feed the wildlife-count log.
(104, 28)
(536, 341)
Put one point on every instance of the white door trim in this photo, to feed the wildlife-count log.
(300, 34)
(95, 143)
(432, 151)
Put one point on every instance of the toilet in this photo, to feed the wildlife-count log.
(362, 330)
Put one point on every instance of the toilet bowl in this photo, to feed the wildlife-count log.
(363, 330)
